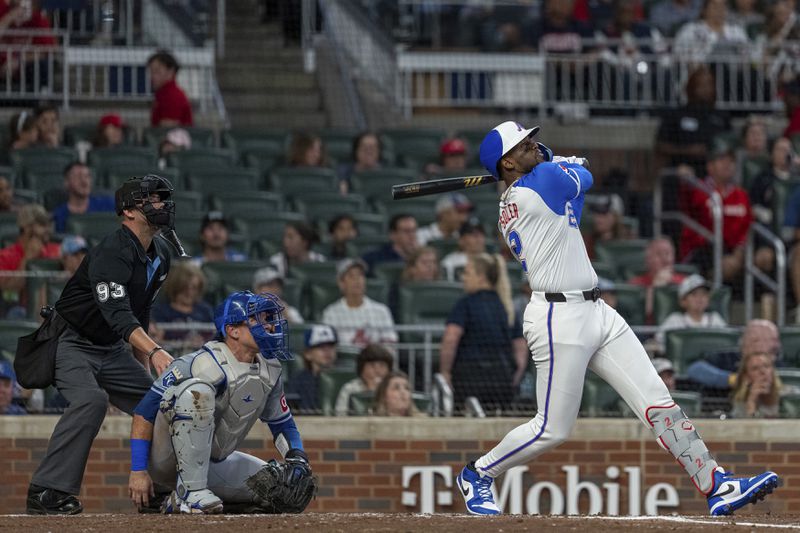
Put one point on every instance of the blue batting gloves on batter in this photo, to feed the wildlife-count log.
(547, 153)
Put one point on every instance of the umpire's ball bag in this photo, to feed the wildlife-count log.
(35, 362)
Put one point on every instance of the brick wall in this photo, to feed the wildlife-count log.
(360, 461)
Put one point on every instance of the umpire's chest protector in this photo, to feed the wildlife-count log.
(246, 389)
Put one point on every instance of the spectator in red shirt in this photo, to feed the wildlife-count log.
(24, 15)
(660, 261)
(33, 243)
(170, 105)
(737, 217)
(791, 101)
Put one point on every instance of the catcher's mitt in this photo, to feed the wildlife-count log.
(284, 487)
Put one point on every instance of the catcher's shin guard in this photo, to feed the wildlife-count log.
(189, 408)
(676, 434)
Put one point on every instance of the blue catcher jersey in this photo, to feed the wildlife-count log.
(540, 217)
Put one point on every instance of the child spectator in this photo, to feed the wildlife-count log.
(694, 297)
(393, 397)
(170, 107)
(298, 237)
(319, 355)
(372, 365)
(80, 200)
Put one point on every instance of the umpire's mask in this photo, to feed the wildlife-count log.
(136, 194)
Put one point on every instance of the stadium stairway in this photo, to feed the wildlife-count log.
(263, 84)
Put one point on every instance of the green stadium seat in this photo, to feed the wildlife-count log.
(292, 181)
(42, 160)
(473, 138)
(225, 277)
(262, 162)
(293, 293)
(116, 177)
(213, 181)
(255, 226)
(322, 207)
(246, 201)
(366, 243)
(690, 401)
(444, 246)
(361, 403)
(44, 290)
(790, 345)
(338, 144)
(427, 302)
(330, 382)
(665, 301)
(120, 159)
(782, 191)
(631, 303)
(323, 292)
(11, 331)
(789, 376)
(315, 271)
(422, 209)
(92, 225)
(414, 147)
(187, 225)
(684, 346)
(605, 270)
(79, 133)
(390, 271)
(201, 137)
(206, 159)
(373, 224)
(377, 184)
(42, 180)
(790, 406)
(752, 167)
(188, 201)
(8, 224)
(262, 141)
(621, 253)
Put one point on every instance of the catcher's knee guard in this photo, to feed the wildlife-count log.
(676, 434)
(189, 408)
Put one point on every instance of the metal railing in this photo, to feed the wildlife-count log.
(714, 236)
(752, 273)
(102, 21)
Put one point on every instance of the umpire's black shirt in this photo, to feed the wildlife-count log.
(111, 292)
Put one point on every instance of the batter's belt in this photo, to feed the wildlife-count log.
(591, 295)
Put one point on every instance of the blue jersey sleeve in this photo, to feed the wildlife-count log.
(558, 183)
(278, 417)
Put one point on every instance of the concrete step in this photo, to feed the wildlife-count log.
(266, 80)
(247, 65)
(292, 121)
(263, 101)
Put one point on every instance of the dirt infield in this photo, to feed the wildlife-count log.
(341, 522)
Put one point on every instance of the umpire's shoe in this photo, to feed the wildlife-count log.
(42, 500)
(732, 493)
(477, 491)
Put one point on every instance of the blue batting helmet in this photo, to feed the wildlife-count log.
(263, 313)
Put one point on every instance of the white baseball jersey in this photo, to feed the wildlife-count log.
(539, 218)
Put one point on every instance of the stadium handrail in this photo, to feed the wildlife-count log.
(752, 273)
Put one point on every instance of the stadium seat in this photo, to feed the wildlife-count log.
(10, 331)
(188, 202)
(8, 225)
(665, 301)
(782, 191)
(212, 181)
(683, 346)
(44, 290)
(42, 160)
(187, 225)
(366, 243)
(443, 246)
(751, 167)
(361, 403)
(255, 226)
(232, 201)
(292, 181)
(201, 137)
(338, 144)
(377, 184)
(92, 225)
(790, 406)
(330, 382)
(116, 177)
(323, 292)
(312, 271)
(605, 270)
(690, 401)
(604, 399)
(322, 207)
(263, 141)
(262, 162)
(43, 180)
(225, 277)
(789, 376)
(621, 253)
(422, 209)
(120, 159)
(79, 133)
(473, 138)
(414, 147)
(371, 224)
(427, 302)
(205, 159)
(293, 293)
(790, 345)
(631, 303)
(390, 271)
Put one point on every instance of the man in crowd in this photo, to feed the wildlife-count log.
(7, 381)
(80, 200)
(402, 243)
(214, 240)
(170, 105)
(471, 240)
(319, 355)
(73, 249)
(452, 210)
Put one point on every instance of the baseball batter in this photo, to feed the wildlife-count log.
(569, 328)
(186, 429)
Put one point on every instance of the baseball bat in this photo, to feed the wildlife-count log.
(435, 186)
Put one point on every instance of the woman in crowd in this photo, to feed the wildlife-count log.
(306, 150)
(758, 388)
(483, 352)
(366, 155)
(23, 131)
(298, 237)
(184, 290)
(393, 397)
(110, 131)
(341, 230)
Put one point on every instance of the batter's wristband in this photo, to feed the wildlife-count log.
(140, 454)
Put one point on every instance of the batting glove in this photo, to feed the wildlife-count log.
(547, 153)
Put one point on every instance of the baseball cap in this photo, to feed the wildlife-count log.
(213, 216)
(72, 244)
(605, 203)
(500, 141)
(319, 334)
(112, 119)
(346, 264)
(472, 225)
(606, 285)
(265, 275)
(454, 200)
(453, 147)
(695, 281)
(7, 370)
(662, 365)
(179, 137)
(720, 149)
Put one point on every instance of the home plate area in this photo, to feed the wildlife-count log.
(365, 522)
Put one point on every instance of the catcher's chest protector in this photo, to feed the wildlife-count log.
(243, 400)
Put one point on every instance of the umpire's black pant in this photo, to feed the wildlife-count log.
(88, 376)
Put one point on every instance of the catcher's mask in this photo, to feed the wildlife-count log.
(263, 314)
(137, 193)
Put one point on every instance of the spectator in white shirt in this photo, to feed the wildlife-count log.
(267, 279)
(452, 210)
(373, 364)
(698, 41)
(694, 297)
(298, 237)
(471, 240)
(358, 319)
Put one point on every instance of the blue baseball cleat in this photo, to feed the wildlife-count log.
(477, 491)
(732, 493)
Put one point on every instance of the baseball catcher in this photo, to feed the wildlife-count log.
(186, 429)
